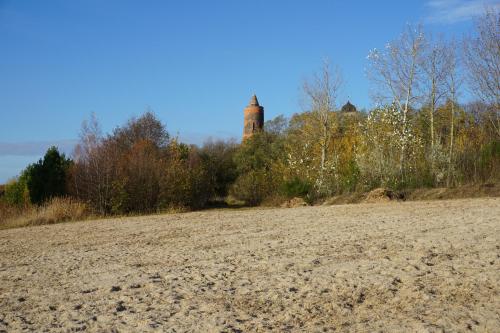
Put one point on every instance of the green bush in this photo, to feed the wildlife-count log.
(16, 192)
(258, 161)
(218, 163)
(252, 187)
(296, 188)
(490, 160)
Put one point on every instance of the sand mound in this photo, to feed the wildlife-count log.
(380, 195)
(295, 202)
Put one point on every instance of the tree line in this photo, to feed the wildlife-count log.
(418, 135)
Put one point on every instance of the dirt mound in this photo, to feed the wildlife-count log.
(295, 202)
(380, 195)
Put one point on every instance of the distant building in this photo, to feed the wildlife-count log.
(253, 118)
(348, 108)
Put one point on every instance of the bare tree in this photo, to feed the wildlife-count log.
(322, 92)
(482, 58)
(435, 63)
(453, 82)
(94, 166)
(85, 150)
(395, 71)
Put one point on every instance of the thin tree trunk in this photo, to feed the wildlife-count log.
(431, 117)
(402, 159)
(452, 130)
(405, 112)
(324, 146)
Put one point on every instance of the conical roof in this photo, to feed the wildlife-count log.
(254, 101)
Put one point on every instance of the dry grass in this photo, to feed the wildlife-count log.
(382, 194)
(460, 192)
(8, 212)
(54, 211)
(67, 209)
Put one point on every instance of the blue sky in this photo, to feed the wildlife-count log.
(194, 63)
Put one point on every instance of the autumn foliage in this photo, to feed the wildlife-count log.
(419, 135)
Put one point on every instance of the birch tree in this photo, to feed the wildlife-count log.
(321, 93)
(453, 82)
(92, 179)
(396, 73)
(482, 58)
(435, 67)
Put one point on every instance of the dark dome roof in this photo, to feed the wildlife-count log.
(348, 107)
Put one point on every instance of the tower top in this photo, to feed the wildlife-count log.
(254, 101)
(253, 118)
(348, 107)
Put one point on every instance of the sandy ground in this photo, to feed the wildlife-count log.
(394, 267)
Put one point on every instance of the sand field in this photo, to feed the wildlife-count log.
(428, 266)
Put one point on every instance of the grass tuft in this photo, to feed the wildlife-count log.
(54, 211)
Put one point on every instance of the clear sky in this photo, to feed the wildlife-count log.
(194, 63)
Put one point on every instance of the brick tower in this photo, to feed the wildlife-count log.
(254, 118)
